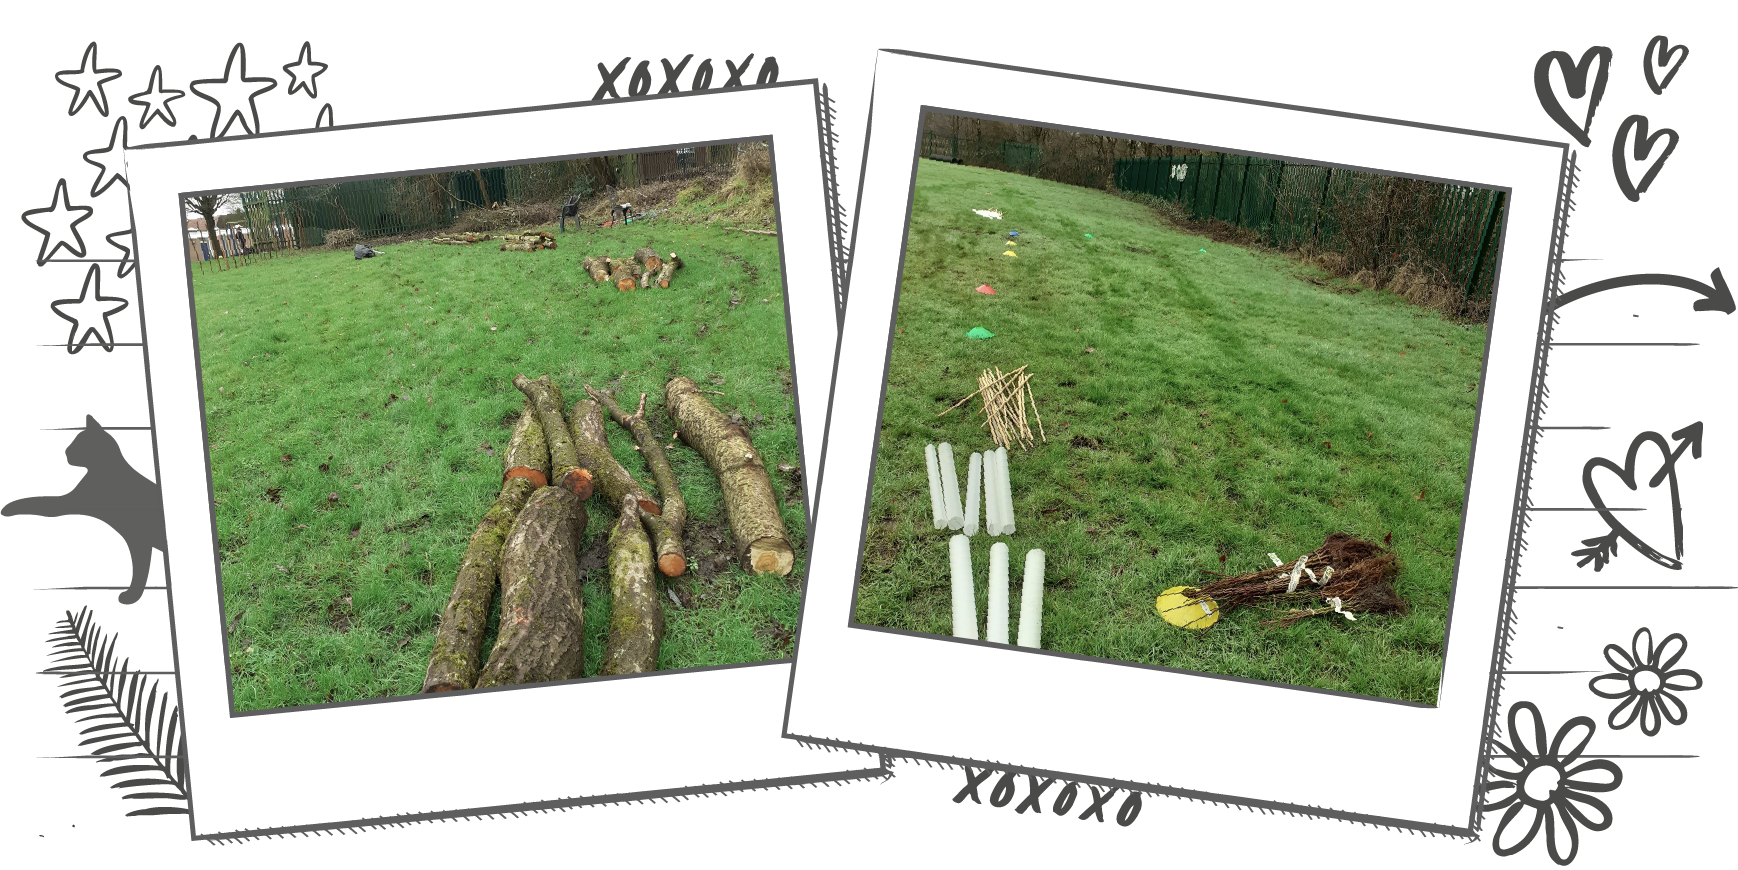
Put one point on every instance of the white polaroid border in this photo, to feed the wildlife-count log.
(1094, 720)
(570, 743)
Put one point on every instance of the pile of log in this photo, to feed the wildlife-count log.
(528, 543)
(529, 242)
(642, 270)
(462, 239)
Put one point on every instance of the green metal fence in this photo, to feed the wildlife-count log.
(1378, 222)
(271, 221)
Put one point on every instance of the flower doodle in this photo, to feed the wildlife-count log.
(1645, 681)
(1548, 789)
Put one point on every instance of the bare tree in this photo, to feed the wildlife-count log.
(207, 207)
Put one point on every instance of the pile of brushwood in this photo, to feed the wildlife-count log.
(528, 543)
(643, 269)
(1345, 575)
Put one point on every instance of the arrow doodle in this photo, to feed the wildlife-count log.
(1716, 296)
(1601, 549)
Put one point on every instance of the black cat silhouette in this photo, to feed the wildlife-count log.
(111, 491)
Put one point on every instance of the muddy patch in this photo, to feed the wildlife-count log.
(776, 637)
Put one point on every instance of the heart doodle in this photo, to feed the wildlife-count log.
(1644, 146)
(1600, 550)
(1659, 56)
(1575, 80)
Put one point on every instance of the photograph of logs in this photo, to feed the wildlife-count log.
(471, 461)
(1214, 446)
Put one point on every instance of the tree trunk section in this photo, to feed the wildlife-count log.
(665, 273)
(648, 259)
(636, 617)
(762, 543)
(527, 453)
(458, 646)
(614, 483)
(623, 277)
(672, 561)
(542, 613)
(546, 397)
(595, 268)
(677, 260)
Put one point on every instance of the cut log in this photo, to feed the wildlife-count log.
(542, 636)
(520, 246)
(762, 543)
(613, 483)
(636, 617)
(623, 277)
(665, 273)
(648, 259)
(672, 560)
(645, 280)
(594, 266)
(675, 259)
(458, 646)
(527, 453)
(564, 463)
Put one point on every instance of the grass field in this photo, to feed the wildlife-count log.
(388, 381)
(1200, 400)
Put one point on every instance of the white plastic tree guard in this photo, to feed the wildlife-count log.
(965, 602)
(1032, 600)
(992, 499)
(1007, 491)
(974, 482)
(937, 508)
(996, 620)
(950, 487)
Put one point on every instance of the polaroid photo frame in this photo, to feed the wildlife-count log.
(666, 734)
(1094, 720)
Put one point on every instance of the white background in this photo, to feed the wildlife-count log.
(1468, 65)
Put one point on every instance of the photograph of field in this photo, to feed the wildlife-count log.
(1237, 398)
(436, 399)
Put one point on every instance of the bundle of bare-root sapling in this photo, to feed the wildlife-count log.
(542, 636)
(762, 543)
(567, 472)
(636, 615)
(1345, 574)
(458, 647)
(592, 449)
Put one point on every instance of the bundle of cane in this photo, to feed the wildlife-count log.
(1004, 398)
(1345, 575)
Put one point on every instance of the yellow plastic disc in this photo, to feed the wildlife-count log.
(1179, 609)
(1009, 254)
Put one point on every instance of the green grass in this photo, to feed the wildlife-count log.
(304, 354)
(1228, 405)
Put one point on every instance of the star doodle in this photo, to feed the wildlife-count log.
(127, 259)
(85, 312)
(234, 94)
(58, 225)
(87, 82)
(156, 100)
(110, 163)
(300, 78)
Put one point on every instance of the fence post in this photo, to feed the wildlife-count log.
(1321, 204)
(1218, 182)
(1237, 220)
(1278, 180)
(1485, 243)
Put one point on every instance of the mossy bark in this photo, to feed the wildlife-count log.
(672, 560)
(546, 397)
(458, 646)
(613, 482)
(528, 449)
(623, 277)
(596, 269)
(541, 637)
(665, 274)
(762, 543)
(648, 260)
(636, 616)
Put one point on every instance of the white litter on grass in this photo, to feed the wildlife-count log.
(1338, 604)
(990, 213)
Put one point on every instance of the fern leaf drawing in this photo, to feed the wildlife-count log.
(130, 726)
